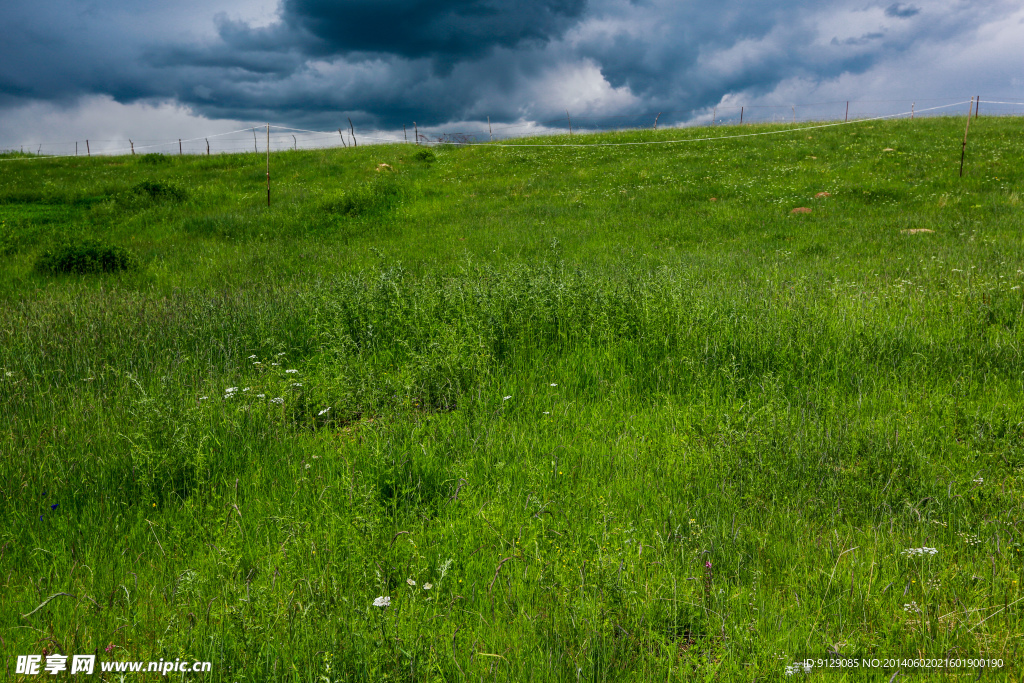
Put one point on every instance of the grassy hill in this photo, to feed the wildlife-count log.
(582, 413)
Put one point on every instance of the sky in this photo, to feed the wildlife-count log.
(154, 70)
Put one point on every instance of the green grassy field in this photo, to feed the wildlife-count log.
(582, 413)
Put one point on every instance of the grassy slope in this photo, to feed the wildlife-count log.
(795, 399)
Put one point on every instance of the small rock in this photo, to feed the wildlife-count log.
(801, 209)
(822, 195)
(384, 167)
(713, 199)
(888, 149)
(914, 231)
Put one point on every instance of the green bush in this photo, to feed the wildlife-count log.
(158, 191)
(425, 155)
(88, 256)
(154, 159)
(376, 196)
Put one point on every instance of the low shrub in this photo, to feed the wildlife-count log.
(425, 155)
(376, 196)
(154, 159)
(88, 256)
(158, 191)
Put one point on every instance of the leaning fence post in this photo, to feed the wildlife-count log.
(342, 136)
(656, 120)
(963, 149)
(295, 143)
(133, 146)
(353, 128)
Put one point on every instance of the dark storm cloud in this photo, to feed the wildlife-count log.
(389, 62)
(900, 10)
(450, 29)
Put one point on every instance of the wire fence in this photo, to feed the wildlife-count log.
(256, 139)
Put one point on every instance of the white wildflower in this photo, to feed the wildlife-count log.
(252, 356)
(277, 400)
(280, 354)
(410, 582)
(203, 398)
(324, 411)
(247, 389)
(261, 395)
(296, 384)
(230, 390)
(427, 586)
(979, 480)
(291, 372)
(382, 601)
(912, 552)
(554, 385)
(506, 398)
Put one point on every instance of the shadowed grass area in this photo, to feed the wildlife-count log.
(602, 413)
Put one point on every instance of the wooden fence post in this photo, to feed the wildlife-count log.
(416, 132)
(847, 111)
(741, 116)
(295, 143)
(977, 105)
(76, 148)
(207, 146)
(490, 133)
(912, 110)
(963, 149)
(656, 120)
(87, 150)
(405, 133)
(179, 146)
(133, 146)
(569, 120)
(342, 136)
(794, 114)
(268, 165)
(353, 128)
(254, 141)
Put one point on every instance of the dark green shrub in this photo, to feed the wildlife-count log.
(376, 196)
(88, 256)
(158, 191)
(425, 155)
(154, 159)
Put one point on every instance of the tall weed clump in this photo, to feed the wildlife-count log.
(86, 256)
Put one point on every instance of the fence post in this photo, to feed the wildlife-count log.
(977, 105)
(490, 133)
(254, 141)
(714, 115)
(656, 120)
(76, 148)
(133, 146)
(268, 165)
(569, 120)
(847, 111)
(416, 132)
(741, 116)
(87, 150)
(794, 114)
(353, 128)
(405, 133)
(207, 146)
(912, 110)
(295, 143)
(342, 136)
(179, 146)
(963, 149)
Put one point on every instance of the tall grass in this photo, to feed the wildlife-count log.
(576, 419)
